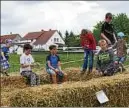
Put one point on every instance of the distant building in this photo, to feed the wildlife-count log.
(43, 39)
(14, 37)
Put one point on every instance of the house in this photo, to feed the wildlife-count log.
(43, 39)
(14, 37)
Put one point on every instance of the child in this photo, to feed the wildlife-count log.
(107, 30)
(53, 66)
(5, 57)
(105, 60)
(89, 45)
(5, 49)
(4, 64)
(121, 48)
(26, 61)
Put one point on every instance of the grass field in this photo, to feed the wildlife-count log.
(41, 58)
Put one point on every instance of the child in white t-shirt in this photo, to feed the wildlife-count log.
(27, 63)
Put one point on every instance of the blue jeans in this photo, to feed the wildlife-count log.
(88, 59)
(121, 59)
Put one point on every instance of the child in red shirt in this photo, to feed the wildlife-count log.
(89, 45)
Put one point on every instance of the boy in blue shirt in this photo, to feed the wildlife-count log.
(53, 66)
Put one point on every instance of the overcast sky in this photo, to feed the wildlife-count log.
(28, 16)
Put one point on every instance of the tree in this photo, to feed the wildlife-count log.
(71, 34)
(67, 37)
(72, 40)
(120, 22)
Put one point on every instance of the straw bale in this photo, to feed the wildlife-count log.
(76, 94)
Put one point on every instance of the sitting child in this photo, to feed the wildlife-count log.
(26, 61)
(121, 48)
(53, 66)
(105, 60)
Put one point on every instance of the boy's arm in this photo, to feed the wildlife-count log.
(114, 46)
(112, 57)
(102, 34)
(23, 65)
(93, 42)
(49, 65)
(59, 65)
(98, 63)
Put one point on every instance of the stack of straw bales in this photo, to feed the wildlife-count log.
(76, 94)
(20, 82)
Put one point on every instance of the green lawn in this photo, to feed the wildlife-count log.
(41, 58)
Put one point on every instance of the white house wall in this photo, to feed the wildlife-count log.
(55, 35)
(17, 39)
(50, 42)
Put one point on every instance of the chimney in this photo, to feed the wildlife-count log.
(49, 29)
(10, 32)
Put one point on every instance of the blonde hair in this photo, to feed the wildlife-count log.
(102, 41)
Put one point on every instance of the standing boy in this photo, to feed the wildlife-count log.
(53, 66)
(107, 30)
(27, 63)
(89, 45)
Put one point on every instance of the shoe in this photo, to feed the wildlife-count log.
(83, 71)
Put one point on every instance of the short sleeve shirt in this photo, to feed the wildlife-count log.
(26, 60)
(54, 59)
(108, 31)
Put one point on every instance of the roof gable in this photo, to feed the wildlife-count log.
(32, 35)
(45, 37)
(11, 36)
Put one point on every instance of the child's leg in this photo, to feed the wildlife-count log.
(6, 72)
(32, 78)
(65, 77)
(85, 59)
(91, 60)
(110, 70)
(37, 79)
(53, 75)
(27, 74)
(121, 61)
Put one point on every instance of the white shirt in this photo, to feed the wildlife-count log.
(26, 60)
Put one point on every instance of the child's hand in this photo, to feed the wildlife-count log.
(56, 70)
(116, 62)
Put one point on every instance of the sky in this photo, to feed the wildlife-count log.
(30, 16)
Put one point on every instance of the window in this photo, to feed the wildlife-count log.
(54, 39)
(57, 39)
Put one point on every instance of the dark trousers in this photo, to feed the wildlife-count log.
(32, 77)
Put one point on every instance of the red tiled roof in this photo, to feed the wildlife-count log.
(41, 37)
(32, 35)
(45, 37)
(4, 37)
